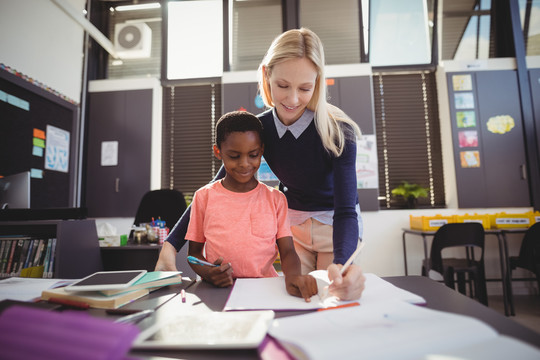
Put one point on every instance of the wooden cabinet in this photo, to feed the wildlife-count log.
(487, 131)
(118, 156)
(77, 247)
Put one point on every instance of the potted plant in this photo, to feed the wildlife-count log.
(410, 192)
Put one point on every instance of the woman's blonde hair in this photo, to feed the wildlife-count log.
(304, 43)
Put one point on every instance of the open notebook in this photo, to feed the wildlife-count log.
(394, 330)
(270, 293)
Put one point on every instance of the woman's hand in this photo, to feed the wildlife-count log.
(349, 286)
(167, 258)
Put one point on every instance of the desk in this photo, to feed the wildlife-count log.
(503, 259)
(438, 297)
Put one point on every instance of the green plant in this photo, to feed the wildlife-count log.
(410, 192)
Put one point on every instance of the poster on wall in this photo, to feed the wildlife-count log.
(367, 168)
(462, 82)
(464, 100)
(469, 159)
(465, 119)
(57, 149)
(468, 138)
(109, 153)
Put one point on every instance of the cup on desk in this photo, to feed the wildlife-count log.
(140, 235)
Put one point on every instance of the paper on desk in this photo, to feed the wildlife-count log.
(270, 294)
(387, 330)
(27, 289)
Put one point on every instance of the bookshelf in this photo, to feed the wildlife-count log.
(74, 245)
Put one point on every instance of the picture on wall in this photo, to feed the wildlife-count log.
(464, 100)
(468, 138)
(469, 159)
(462, 82)
(465, 119)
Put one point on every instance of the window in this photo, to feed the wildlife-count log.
(408, 136)
(136, 66)
(337, 23)
(194, 39)
(253, 27)
(400, 32)
(530, 22)
(189, 117)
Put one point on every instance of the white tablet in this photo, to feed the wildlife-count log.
(107, 280)
(207, 330)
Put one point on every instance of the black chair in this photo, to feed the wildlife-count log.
(469, 269)
(528, 258)
(166, 204)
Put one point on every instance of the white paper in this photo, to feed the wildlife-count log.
(27, 289)
(385, 330)
(109, 153)
(270, 293)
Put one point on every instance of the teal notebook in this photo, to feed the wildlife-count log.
(152, 279)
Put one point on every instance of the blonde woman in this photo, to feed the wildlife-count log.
(310, 145)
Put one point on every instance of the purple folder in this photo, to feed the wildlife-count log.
(28, 333)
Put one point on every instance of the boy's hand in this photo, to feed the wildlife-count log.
(220, 276)
(304, 286)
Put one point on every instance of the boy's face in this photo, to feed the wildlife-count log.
(241, 154)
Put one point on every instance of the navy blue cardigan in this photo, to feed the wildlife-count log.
(312, 180)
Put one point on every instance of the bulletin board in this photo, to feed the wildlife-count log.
(39, 133)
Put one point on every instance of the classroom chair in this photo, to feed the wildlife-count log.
(166, 204)
(469, 236)
(528, 258)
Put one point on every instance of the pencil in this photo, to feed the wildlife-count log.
(352, 258)
(344, 267)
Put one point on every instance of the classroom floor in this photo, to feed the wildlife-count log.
(527, 309)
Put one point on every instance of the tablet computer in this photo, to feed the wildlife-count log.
(107, 280)
(207, 330)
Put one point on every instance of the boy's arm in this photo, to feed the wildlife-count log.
(220, 276)
(297, 284)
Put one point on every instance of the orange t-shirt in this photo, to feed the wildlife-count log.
(240, 227)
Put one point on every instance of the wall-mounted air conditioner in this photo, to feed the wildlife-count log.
(133, 40)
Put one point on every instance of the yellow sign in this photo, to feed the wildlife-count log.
(500, 124)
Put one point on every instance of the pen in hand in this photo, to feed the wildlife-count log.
(197, 261)
(344, 268)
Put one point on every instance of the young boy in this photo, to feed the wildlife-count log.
(238, 221)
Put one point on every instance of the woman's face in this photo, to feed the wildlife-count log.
(292, 84)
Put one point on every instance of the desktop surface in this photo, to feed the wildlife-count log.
(437, 295)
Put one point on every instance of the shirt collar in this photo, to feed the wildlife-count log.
(297, 128)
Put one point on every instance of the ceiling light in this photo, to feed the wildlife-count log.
(138, 7)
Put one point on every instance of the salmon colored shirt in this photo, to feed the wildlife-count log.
(240, 227)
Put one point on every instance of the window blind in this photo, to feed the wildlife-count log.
(408, 137)
(337, 23)
(255, 24)
(189, 116)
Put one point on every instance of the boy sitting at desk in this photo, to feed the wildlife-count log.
(238, 221)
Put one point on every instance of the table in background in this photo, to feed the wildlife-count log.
(508, 280)
(503, 258)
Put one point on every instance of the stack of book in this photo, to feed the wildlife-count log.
(112, 299)
(27, 257)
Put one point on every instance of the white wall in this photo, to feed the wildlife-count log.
(41, 41)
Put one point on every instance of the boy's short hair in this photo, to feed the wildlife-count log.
(237, 121)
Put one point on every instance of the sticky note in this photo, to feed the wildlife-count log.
(36, 173)
(39, 142)
(37, 151)
(40, 134)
